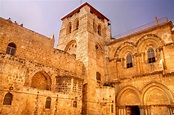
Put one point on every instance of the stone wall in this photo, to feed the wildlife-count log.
(33, 74)
(90, 38)
(87, 74)
(145, 86)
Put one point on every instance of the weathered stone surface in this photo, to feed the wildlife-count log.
(87, 74)
(146, 85)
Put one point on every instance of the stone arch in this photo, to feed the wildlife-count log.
(123, 51)
(149, 40)
(41, 80)
(71, 47)
(125, 48)
(156, 94)
(150, 36)
(129, 96)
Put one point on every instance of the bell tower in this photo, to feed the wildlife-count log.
(85, 33)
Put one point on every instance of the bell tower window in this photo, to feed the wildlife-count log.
(76, 24)
(69, 28)
(99, 30)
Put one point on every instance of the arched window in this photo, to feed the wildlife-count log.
(69, 28)
(11, 48)
(98, 76)
(112, 109)
(8, 99)
(71, 47)
(75, 104)
(151, 55)
(44, 81)
(129, 61)
(94, 26)
(48, 103)
(76, 24)
(99, 30)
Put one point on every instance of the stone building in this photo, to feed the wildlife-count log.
(89, 73)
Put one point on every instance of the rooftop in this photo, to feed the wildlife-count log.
(143, 27)
(92, 9)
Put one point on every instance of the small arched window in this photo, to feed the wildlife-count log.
(8, 99)
(151, 55)
(94, 26)
(48, 103)
(77, 24)
(75, 104)
(129, 61)
(112, 109)
(11, 48)
(69, 28)
(98, 76)
(99, 30)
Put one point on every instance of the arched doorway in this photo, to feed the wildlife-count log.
(129, 102)
(132, 110)
(41, 80)
(157, 100)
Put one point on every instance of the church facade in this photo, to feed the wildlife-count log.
(89, 72)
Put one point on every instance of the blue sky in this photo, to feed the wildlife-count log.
(44, 16)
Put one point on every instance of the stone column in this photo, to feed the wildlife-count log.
(162, 57)
(142, 111)
(116, 82)
(146, 110)
(56, 106)
(121, 111)
(72, 84)
(172, 110)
